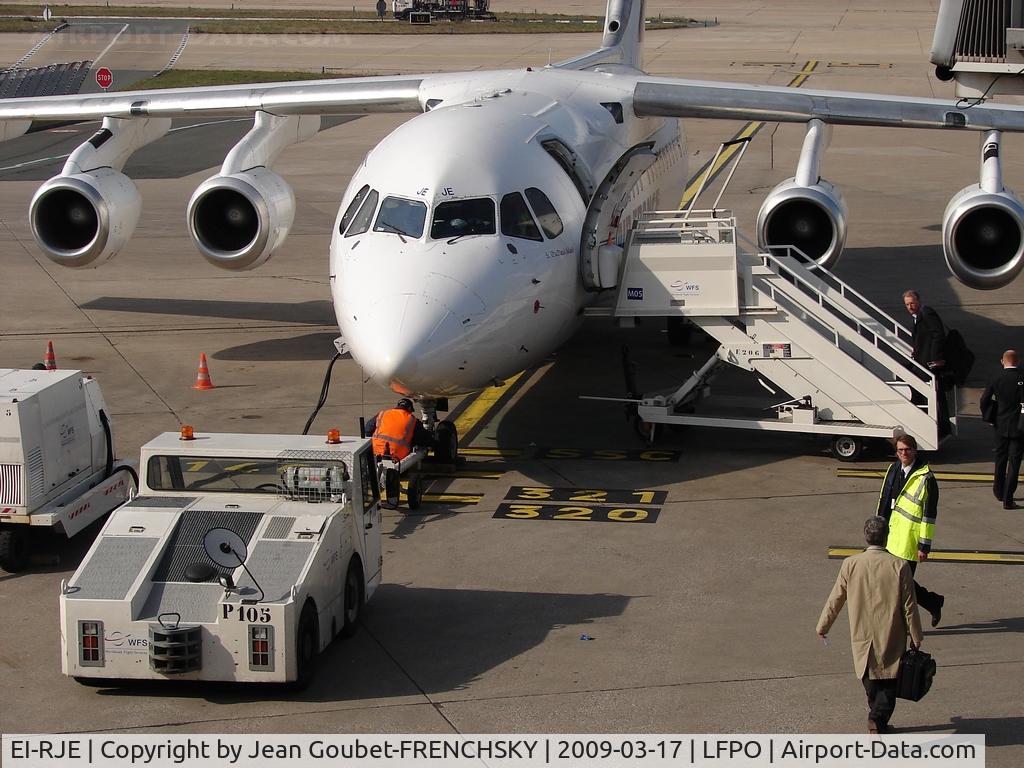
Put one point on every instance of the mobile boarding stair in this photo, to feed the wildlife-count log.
(846, 364)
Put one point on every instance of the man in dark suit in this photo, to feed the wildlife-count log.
(929, 339)
(1006, 390)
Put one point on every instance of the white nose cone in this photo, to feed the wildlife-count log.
(406, 342)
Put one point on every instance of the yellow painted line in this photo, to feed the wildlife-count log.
(453, 498)
(501, 453)
(946, 556)
(467, 474)
(480, 407)
(965, 477)
(746, 131)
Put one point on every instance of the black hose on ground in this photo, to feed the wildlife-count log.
(323, 393)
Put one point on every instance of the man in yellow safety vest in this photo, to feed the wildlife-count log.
(909, 501)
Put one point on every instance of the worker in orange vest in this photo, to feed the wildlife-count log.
(397, 431)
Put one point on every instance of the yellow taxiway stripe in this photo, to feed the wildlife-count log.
(481, 405)
(946, 555)
(746, 131)
(470, 474)
(453, 498)
(498, 453)
(966, 477)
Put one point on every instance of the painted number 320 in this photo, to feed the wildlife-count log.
(550, 512)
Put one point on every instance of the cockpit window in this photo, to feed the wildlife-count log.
(403, 217)
(362, 220)
(516, 220)
(463, 217)
(548, 217)
(353, 207)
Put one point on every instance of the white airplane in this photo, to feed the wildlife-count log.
(471, 238)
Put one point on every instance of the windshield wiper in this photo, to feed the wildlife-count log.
(393, 230)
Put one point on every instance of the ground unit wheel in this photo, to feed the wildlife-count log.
(680, 331)
(847, 447)
(307, 645)
(447, 436)
(414, 491)
(392, 487)
(355, 597)
(14, 548)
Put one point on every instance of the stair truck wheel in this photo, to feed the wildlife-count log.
(14, 548)
(847, 447)
(355, 598)
(447, 436)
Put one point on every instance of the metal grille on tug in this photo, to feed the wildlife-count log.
(10, 484)
(186, 544)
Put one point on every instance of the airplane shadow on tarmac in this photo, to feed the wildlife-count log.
(437, 641)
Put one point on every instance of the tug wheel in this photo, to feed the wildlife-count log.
(354, 599)
(14, 548)
(307, 645)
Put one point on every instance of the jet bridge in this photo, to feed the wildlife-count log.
(846, 365)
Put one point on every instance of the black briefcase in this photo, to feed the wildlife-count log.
(917, 670)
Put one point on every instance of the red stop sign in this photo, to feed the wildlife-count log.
(104, 78)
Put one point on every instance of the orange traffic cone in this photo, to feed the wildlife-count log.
(50, 359)
(203, 380)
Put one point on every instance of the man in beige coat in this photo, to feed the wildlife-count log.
(883, 611)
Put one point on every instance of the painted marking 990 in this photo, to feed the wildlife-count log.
(589, 514)
(584, 495)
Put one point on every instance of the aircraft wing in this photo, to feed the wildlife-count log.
(308, 97)
(671, 97)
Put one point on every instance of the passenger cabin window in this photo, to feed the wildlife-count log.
(548, 217)
(516, 220)
(353, 207)
(403, 217)
(361, 221)
(463, 217)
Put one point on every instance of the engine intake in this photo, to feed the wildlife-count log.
(237, 221)
(83, 219)
(812, 218)
(983, 237)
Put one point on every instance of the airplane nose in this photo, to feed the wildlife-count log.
(402, 340)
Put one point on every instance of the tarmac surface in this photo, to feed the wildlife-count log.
(702, 616)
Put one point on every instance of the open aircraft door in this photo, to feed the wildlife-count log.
(600, 256)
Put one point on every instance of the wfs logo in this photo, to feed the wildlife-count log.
(118, 639)
(635, 294)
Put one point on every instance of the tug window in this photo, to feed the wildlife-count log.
(463, 217)
(516, 220)
(548, 217)
(353, 207)
(362, 220)
(403, 217)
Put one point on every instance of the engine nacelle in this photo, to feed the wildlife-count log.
(811, 218)
(237, 221)
(82, 219)
(983, 237)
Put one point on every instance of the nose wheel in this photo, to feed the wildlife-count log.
(447, 436)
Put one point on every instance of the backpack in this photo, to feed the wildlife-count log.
(958, 357)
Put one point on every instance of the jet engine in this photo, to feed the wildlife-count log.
(238, 220)
(983, 227)
(85, 218)
(812, 218)
(86, 214)
(806, 211)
